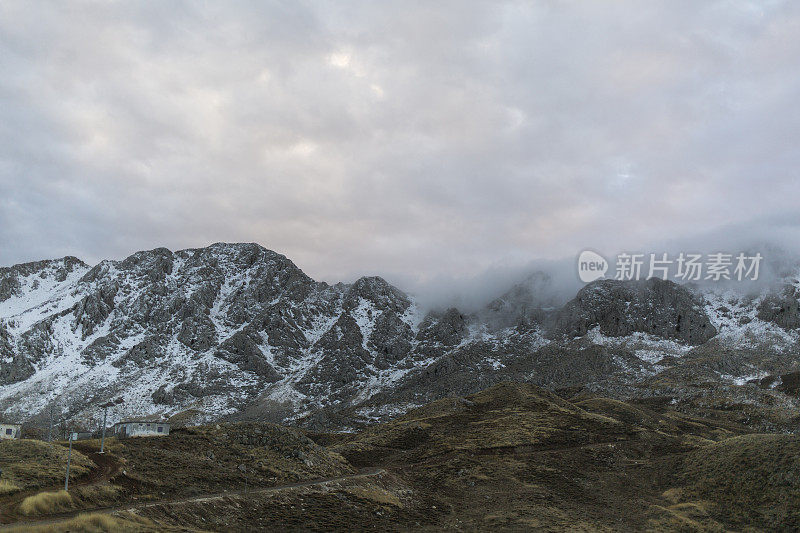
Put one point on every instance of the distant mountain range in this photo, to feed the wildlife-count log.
(237, 331)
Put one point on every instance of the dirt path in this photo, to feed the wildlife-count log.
(366, 472)
(106, 467)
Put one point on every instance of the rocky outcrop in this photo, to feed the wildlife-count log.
(13, 367)
(344, 358)
(9, 286)
(280, 329)
(207, 382)
(242, 350)
(94, 309)
(782, 308)
(391, 339)
(154, 264)
(445, 329)
(379, 293)
(143, 353)
(39, 341)
(100, 349)
(620, 308)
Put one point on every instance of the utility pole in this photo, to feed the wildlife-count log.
(103, 438)
(105, 407)
(50, 427)
(69, 461)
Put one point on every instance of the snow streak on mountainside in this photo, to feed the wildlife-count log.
(238, 330)
(208, 329)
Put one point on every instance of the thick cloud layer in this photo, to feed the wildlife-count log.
(418, 140)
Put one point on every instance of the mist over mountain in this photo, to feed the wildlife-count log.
(473, 292)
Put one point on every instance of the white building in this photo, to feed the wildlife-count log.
(10, 431)
(141, 428)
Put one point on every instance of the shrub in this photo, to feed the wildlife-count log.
(7, 487)
(46, 503)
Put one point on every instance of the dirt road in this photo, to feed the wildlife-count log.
(51, 520)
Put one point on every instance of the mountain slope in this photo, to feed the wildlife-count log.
(239, 330)
(209, 329)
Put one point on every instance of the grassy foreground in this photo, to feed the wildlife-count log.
(513, 457)
(32, 464)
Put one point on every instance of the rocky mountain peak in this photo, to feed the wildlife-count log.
(379, 292)
(782, 308)
(23, 278)
(619, 308)
(525, 304)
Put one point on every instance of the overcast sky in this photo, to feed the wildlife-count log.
(417, 140)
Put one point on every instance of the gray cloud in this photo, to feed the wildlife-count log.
(422, 141)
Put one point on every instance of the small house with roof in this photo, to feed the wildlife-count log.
(10, 431)
(81, 435)
(141, 428)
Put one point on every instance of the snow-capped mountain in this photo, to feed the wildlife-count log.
(236, 330)
(209, 329)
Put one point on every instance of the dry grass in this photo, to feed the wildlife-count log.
(97, 495)
(46, 503)
(513, 457)
(376, 494)
(750, 481)
(112, 444)
(207, 459)
(96, 523)
(506, 415)
(330, 507)
(95, 492)
(185, 418)
(31, 464)
(688, 518)
(7, 487)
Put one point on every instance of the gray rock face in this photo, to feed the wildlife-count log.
(13, 367)
(618, 308)
(344, 358)
(782, 309)
(143, 353)
(391, 339)
(284, 331)
(94, 308)
(447, 329)
(242, 350)
(37, 342)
